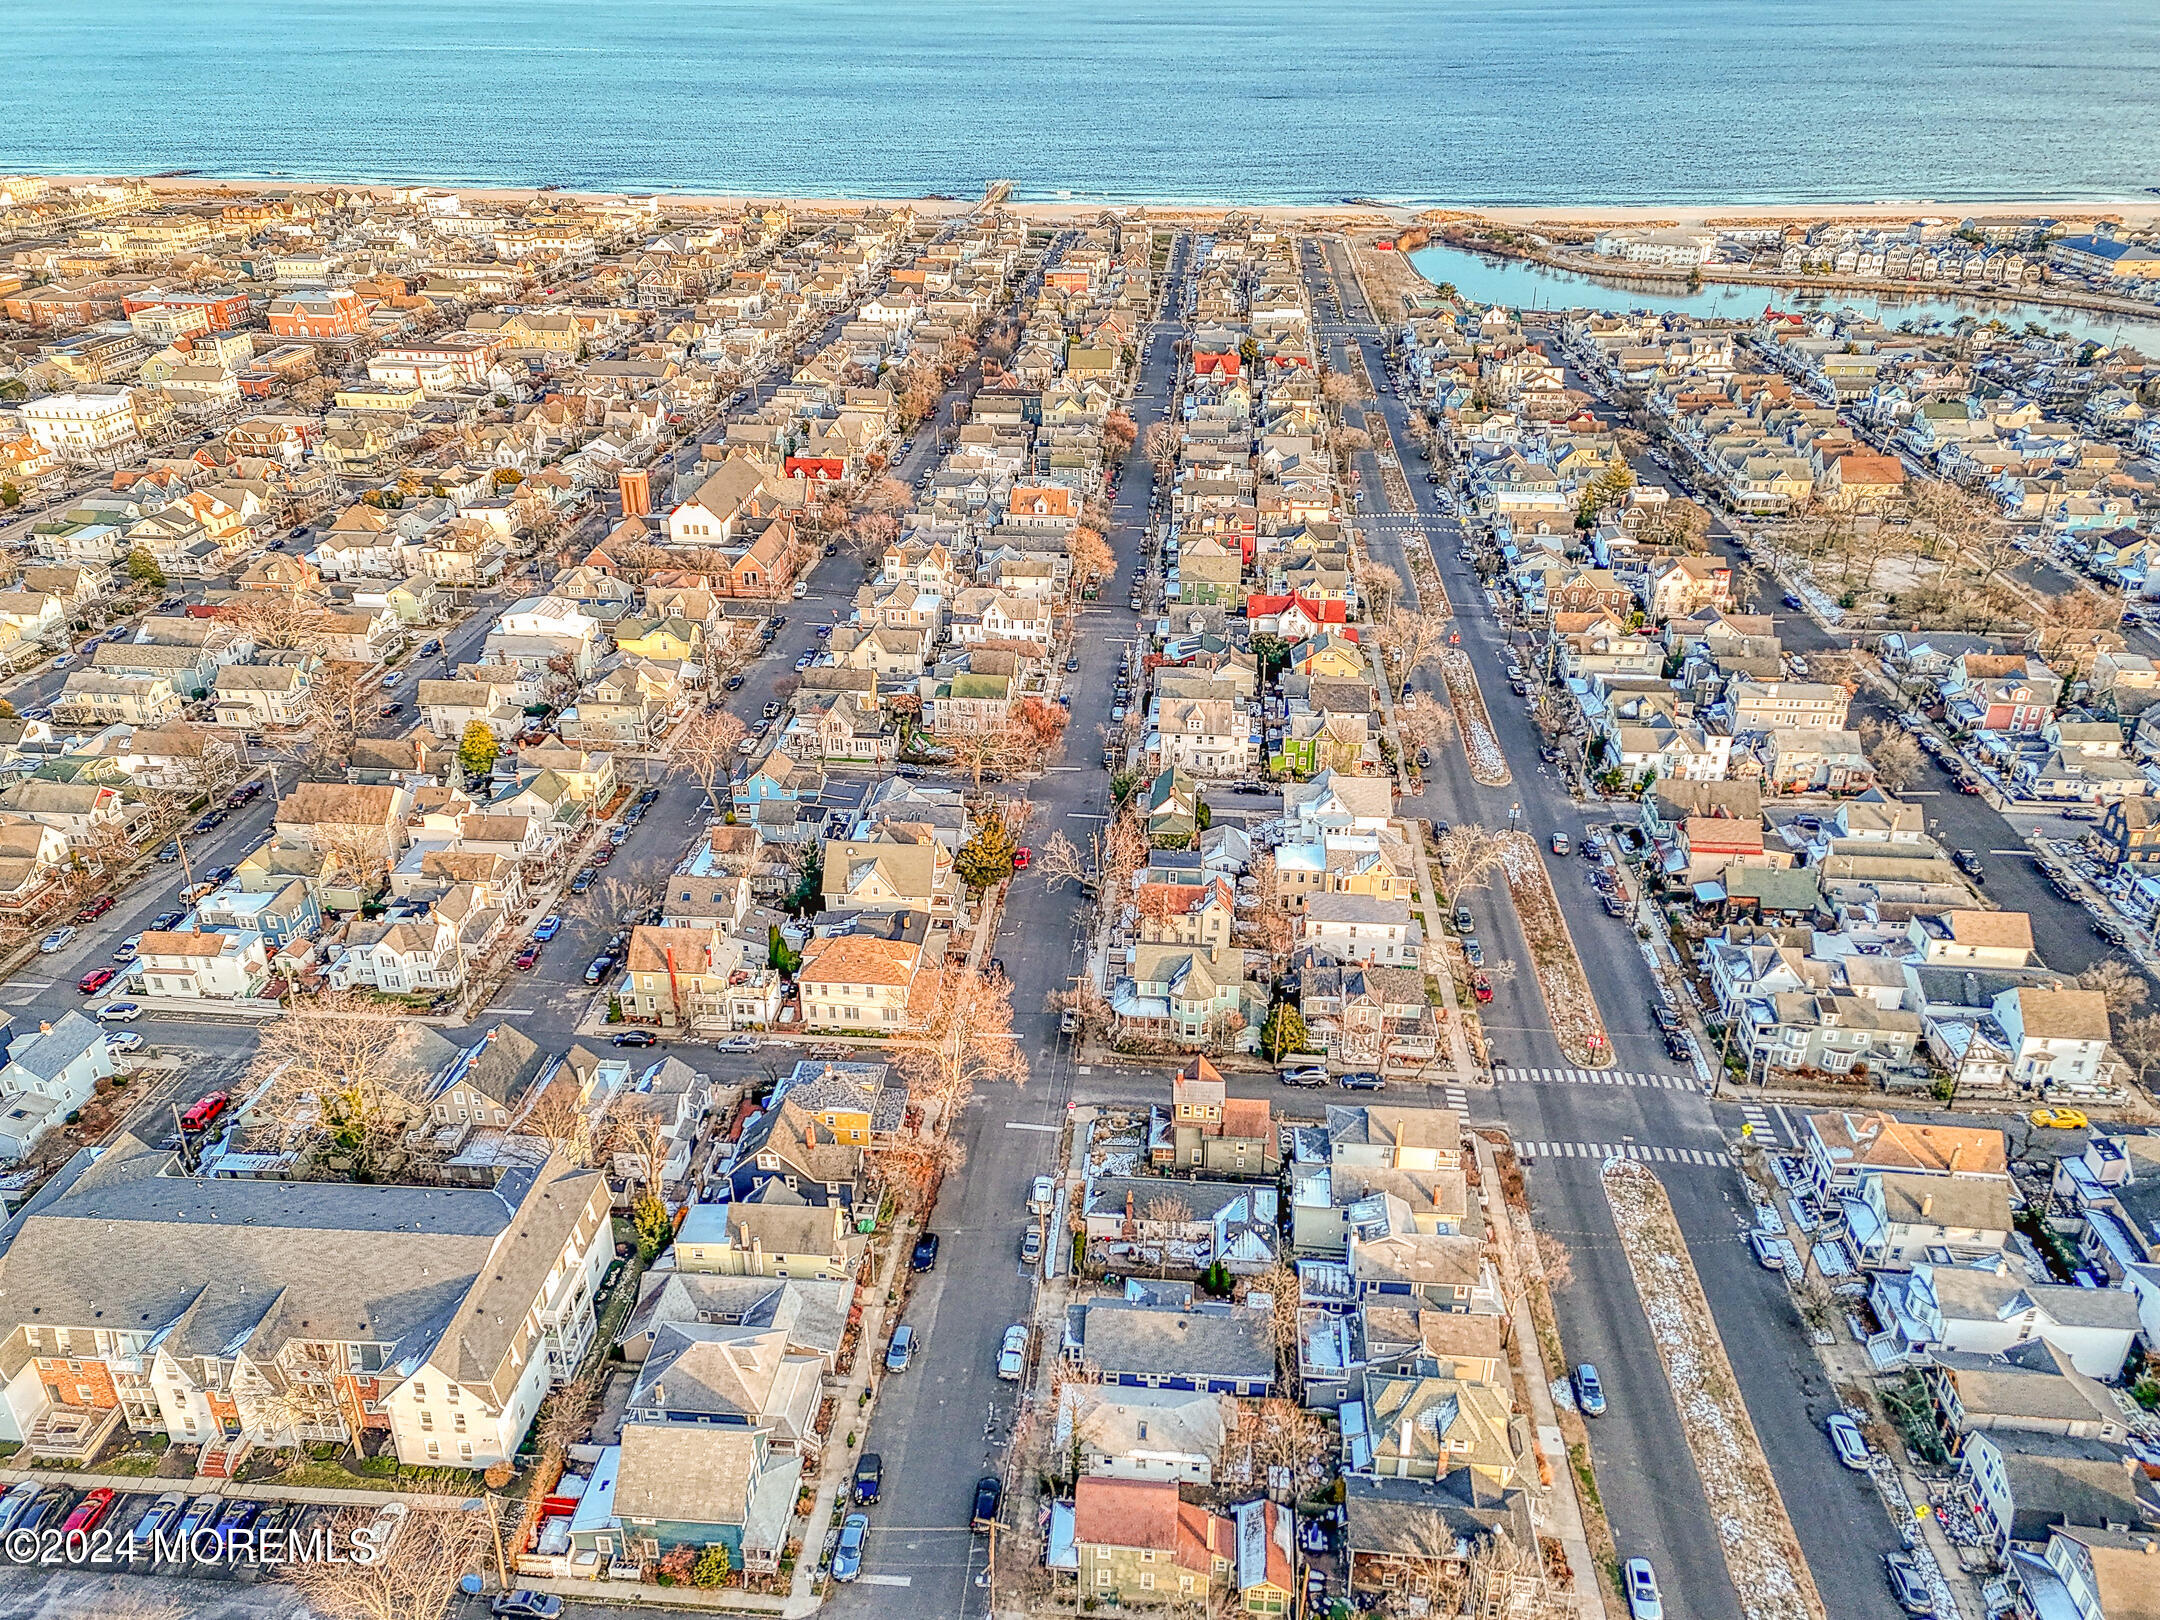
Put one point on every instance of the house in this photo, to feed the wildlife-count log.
(1361, 928)
(1991, 1309)
(45, 1076)
(851, 981)
(2090, 1573)
(705, 1484)
(1405, 1536)
(202, 966)
(408, 956)
(1896, 1221)
(1687, 585)
(1173, 809)
(84, 812)
(1427, 1426)
(1843, 1146)
(2058, 1038)
(787, 1145)
(1376, 1017)
(250, 697)
(448, 1315)
(489, 1080)
(1138, 1543)
(862, 1104)
(366, 823)
(768, 1238)
(2031, 1389)
(2130, 833)
(2022, 1486)
(1144, 1434)
(1189, 994)
(1220, 1348)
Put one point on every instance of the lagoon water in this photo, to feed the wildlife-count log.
(1486, 279)
(1470, 101)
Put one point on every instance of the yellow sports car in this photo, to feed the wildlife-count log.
(2061, 1119)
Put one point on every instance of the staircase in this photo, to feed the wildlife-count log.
(221, 1459)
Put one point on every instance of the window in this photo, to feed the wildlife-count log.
(433, 1449)
(1147, 1576)
(427, 1419)
(457, 1421)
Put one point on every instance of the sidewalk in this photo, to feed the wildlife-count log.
(1558, 1508)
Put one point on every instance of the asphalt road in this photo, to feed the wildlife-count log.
(945, 1422)
(1646, 1476)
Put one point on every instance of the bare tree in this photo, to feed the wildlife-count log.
(1424, 721)
(335, 1073)
(704, 749)
(1162, 448)
(337, 708)
(1405, 639)
(1380, 587)
(913, 1167)
(415, 1578)
(1468, 856)
(962, 1037)
(277, 620)
(1339, 389)
(2124, 987)
(1059, 860)
(1894, 755)
(1282, 1434)
(2138, 1039)
(1165, 1212)
(1268, 921)
(558, 1115)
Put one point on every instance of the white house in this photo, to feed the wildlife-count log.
(1362, 928)
(94, 428)
(410, 957)
(46, 1076)
(2058, 1038)
(201, 966)
(1979, 1310)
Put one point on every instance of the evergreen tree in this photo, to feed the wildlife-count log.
(478, 749)
(987, 858)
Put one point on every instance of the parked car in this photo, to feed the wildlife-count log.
(1464, 922)
(1589, 1391)
(1012, 1354)
(17, 1502)
(123, 1041)
(94, 909)
(1560, 844)
(2080, 812)
(166, 921)
(1310, 1074)
(737, 1044)
(1023, 858)
(1846, 1440)
(159, 1516)
(1481, 987)
(1769, 1251)
(550, 926)
(902, 1349)
(57, 940)
(989, 1495)
(1968, 862)
(583, 881)
(1640, 1581)
(94, 981)
(869, 1476)
(1473, 952)
(199, 1515)
(526, 1604)
(635, 1037)
(2059, 1119)
(597, 969)
(1361, 1080)
(170, 853)
(119, 1012)
(1907, 1585)
(924, 1256)
(1031, 1247)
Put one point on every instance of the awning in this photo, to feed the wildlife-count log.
(1710, 893)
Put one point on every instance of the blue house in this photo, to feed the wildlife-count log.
(788, 1155)
(1223, 1348)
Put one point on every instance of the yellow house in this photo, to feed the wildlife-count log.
(769, 1240)
(672, 638)
(381, 396)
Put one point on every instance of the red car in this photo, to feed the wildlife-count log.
(203, 1110)
(94, 981)
(1021, 857)
(528, 958)
(1481, 987)
(88, 1512)
(95, 909)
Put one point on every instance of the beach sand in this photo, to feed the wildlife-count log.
(2134, 212)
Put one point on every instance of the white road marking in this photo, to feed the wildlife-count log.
(1025, 1125)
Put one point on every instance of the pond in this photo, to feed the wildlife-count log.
(1486, 279)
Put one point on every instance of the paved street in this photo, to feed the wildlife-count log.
(1646, 1477)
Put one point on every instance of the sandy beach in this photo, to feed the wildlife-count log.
(2135, 212)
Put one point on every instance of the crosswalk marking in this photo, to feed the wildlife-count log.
(1458, 1099)
(1758, 1121)
(1621, 1150)
(1593, 1077)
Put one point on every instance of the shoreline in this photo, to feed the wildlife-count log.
(1375, 214)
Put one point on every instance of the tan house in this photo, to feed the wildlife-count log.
(770, 1240)
(1138, 1543)
(852, 982)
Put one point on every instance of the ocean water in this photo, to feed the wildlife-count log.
(1516, 282)
(1429, 101)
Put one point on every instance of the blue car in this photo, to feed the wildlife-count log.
(237, 1516)
(847, 1556)
(902, 1349)
(199, 1515)
(1589, 1391)
(550, 926)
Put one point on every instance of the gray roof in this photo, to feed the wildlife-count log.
(48, 1054)
(219, 1265)
(1204, 1342)
(813, 1313)
(686, 1473)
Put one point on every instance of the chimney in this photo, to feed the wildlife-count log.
(1927, 1203)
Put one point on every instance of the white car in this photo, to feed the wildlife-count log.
(1643, 1601)
(1043, 1194)
(1012, 1355)
(737, 1043)
(57, 940)
(125, 1040)
(119, 1012)
(1308, 1075)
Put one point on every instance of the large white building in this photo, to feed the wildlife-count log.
(1670, 250)
(234, 1311)
(83, 427)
